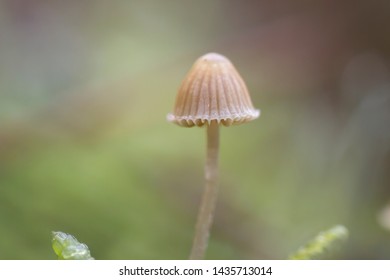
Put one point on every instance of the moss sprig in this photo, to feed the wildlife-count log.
(322, 243)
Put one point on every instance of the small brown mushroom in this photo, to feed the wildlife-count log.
(212, 93)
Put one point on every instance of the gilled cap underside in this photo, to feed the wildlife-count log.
(189, 121)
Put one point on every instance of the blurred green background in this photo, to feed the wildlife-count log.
(85, 148)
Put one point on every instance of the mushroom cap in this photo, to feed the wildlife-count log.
(213, 90)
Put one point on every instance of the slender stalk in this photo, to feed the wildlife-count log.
(209, 198)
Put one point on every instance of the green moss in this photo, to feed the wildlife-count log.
(321, 243)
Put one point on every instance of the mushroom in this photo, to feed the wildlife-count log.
(212, 93)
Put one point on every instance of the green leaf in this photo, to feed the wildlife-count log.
(67, 247)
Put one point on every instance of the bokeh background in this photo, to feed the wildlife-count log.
(85, 148)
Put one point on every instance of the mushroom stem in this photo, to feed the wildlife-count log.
(210, 193)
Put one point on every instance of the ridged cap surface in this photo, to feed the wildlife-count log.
(213, 90)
